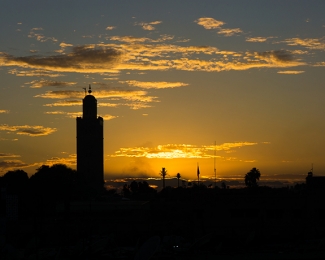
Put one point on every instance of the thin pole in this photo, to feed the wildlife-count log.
(198, 175)
(215, 171)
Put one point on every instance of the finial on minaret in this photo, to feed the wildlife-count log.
(89, 90)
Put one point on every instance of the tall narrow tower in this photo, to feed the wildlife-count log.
(90, 149)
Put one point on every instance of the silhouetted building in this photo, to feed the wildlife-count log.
(90, 150)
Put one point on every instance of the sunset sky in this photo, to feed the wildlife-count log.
(177, 82)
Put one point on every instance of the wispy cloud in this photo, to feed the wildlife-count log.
(109, 28)
(49, 83)
(63, 46)
(132, 39)
(6, 139)
(106, 58)
(10, 155)
(108, 117)
(71, 160)
(7, 165)
(154, 84)
(28, 130)
(34, 33)
(135, 99)
(230, 32)
(320, 64)
(209, 23)
(176, 151)
(309, 43)
(291, 72)
(33, 73)
(81, 59)
(257, 39)
(148, 26)
(78, 114)
(65, 103)
(67, 114)
(123, 94)
(129, 39)
(3, 111)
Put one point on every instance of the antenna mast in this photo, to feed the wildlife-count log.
(214, 163)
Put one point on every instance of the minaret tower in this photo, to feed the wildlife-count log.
(90, 137)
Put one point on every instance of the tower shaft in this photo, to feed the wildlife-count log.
(90, 147)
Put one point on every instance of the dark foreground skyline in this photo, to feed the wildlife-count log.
(56, 213)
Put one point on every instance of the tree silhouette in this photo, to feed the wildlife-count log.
(134, 187)
(252, 177)
(126, 191)
(15, 181)
(178, 177)
(55, 182)
(163, 173)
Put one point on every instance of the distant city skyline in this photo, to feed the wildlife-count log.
(176, 84)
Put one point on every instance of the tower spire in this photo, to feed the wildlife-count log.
(89, 89)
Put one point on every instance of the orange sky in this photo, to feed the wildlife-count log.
(176, 83)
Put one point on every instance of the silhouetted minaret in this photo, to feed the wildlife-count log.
(90, 149)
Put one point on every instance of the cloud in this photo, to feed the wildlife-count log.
(176, 151)
(290, 71)
(6, 139)
(209, 23)
(129, 39)
(309, 43)
(64, 45)
(67, 114)
(49, 83)
(106, 58)
(320, 64)
(28, 130)
(6, 165)
(62, 94)
(108, 117)
(71, 160)
(230, 32)
(133, 99)
(279, 58)
(81, 59)
(138, 95)
(2, 111)
(257, 39)
(132, 39)
(40, 37)
(107, 105)
(65, 103)
(78, 114)
(154, 84)
(136, 105)
(148, 26)
(3, 155)
(109, 28)
(33, 73)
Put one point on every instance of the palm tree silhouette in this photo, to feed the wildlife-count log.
(178, 177)
(251, 178)
(163, 173)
